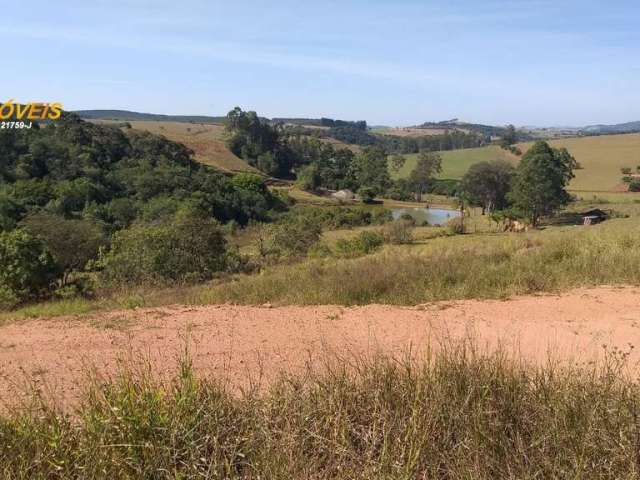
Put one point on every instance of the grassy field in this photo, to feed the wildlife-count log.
(601, 157)
(455, 163)
(459, 414)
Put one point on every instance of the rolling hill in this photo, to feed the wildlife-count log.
(206, 140)
(601, 158)
(629, 127)
(128, 116)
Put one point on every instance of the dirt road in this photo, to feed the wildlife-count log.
(237, 343)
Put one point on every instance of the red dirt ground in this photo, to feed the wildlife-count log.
(238, 343)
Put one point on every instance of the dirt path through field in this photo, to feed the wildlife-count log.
(237, 343)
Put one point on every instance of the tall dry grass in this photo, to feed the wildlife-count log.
(480, 266)
(457, 415)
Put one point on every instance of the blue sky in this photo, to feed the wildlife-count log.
(402, 62)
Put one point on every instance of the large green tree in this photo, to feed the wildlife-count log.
(487, 184)
(371, 171)
(428, 165)
(539, 186)
(509, 137)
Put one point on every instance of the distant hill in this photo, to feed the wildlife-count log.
(313, 122)
(128, 116)
(455, 124)
(629, 127)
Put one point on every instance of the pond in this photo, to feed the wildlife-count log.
(433, 216)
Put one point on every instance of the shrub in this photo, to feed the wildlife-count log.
(291, 238)
(378, 217)
(188, 249)
(447, 187)
(27, 269)
(82, 286)
(634, 186)
(308, 178)
(363, 244)
(625, 171)
(400, 190)
(455, 226)
(407, 217)
(398, 232)
(72, 243)
(367, 194)
(319, 250)
(339, 217)
(627, 179)
(251, 182)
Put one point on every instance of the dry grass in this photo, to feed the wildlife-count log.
(459, 414)
(467, 266)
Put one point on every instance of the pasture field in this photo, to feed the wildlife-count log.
(601, 158)
(455, 163)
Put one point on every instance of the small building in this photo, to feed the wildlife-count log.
(593, 217)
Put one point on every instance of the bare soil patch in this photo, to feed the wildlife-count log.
(240, 344)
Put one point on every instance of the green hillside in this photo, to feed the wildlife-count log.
(456, 162)
(601, 158)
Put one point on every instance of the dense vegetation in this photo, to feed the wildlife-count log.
(67, 188)
(458, 414)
